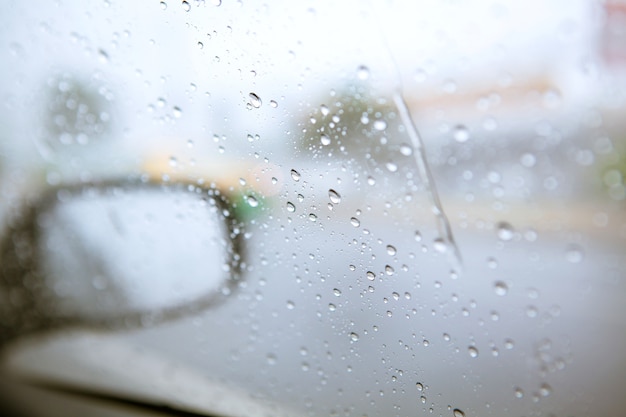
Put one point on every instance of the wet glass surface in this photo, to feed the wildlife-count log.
(426, 202)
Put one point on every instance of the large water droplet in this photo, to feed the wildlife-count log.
(325, 140)
(290, 207)
(370, 275)
(355, 222)
(380, 125)
(295, 175)
(458, 413)
(419, 386)
(252, 201)
(406, 150)
(186, 6)
(334, 196)
(545, 390)
(363, 73)
(504, 231)
(461, 134)
(391, 250)
(473, 352)
(574, 253)
(500, 288)
(440, 246)
(255, 100)
(354, 336)
(391, 166)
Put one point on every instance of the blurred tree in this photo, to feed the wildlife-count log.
(76, 112)
(354, 125)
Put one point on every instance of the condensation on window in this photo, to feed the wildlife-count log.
(313, 208)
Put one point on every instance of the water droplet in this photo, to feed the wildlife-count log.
(519, 393)
(334, 196)
(255, 100)
(528, 160)
(355, 222)
(252, 201)
(370, 275)
(177, 112)
(391, 250)
(332, 307)
(545, 390)
(295, 175)
(324, 110)
(391, 166)
(363, 73)
(406, 150)
(290, 207)
(371, 180)
(354, 336)
(508, 344)
(273, 103)
(458, 413)
(389, 270)
(103, 56)
(290, 305)
(473, 352)
(380, 125)
(419, 386)
(312, 217)
(574, 254)
(500, 288)
(186, 6)
(505, 231)
(336, 292)
(271, 359)
(325, 140)
(440, 246)
(461, 134)
(200, 45)
(163, 5)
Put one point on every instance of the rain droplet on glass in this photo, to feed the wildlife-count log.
(461, 134)
(574, 253)
(380, 125)
(458, 413)
(252, 201)
(473, 352)
(501, 288)
(334, 196)
(255, 100)
(504, 231)
(295, 175)
(362, 73)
